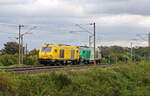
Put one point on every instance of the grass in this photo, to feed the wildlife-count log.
(121, 80)
(19, 65)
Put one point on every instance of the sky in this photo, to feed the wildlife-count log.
(118, 22)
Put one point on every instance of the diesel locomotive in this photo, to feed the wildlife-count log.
(52, 54)
(87, 55)
(64, 54)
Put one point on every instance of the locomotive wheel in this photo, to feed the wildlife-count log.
(56, 63)
(88, 62)
(45, 63)
(78, 62)
(62, 63)
(74, 62)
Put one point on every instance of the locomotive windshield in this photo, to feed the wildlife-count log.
(46, 49)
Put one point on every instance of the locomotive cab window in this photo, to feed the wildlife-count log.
(46, 49)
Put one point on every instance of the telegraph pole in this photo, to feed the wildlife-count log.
(26, 52)
(131, 52)
(22, 49)
(94, 42)
(94, 29)
(20, 41)
(149, 45)
(90, 40)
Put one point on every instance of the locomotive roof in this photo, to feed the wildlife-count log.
(60, 45)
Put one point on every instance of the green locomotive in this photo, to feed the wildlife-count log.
(87, 54)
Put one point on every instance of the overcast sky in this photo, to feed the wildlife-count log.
(117, 21)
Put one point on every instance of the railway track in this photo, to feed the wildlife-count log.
(42, 69)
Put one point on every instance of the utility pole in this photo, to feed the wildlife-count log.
(22, 49)
(94, 29)
(90, 40)
(20, 41)
(26, 53)
(131, 52)
(94, 43)
(149, 45)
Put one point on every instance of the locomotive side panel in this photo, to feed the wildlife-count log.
(53, 53)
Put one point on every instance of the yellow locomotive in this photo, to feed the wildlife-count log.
(53, 54)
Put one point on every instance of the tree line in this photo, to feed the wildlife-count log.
(111, 54)
(9, 55)
(118, 54)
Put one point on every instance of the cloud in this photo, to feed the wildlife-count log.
(123, 20)
(138, 7)
(116, 20)
(124, 43)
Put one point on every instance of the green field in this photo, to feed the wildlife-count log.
(120, 80)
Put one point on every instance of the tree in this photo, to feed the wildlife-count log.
(11, 48)
(33, 52)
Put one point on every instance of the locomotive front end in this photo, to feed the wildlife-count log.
(45, 54)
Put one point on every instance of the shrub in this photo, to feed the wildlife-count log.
(8, 59)
(120, 80)
(104, 60)
(7, 86)
(60, 80)
(32, 60)
(31, 85)
(42, 85)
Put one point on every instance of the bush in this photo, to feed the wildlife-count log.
(60, 80)
(32, 60)
(31, 86)
(104, 60)
(8, 59)
(122, 80)
(7, 86)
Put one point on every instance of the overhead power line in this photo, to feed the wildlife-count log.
(141, 37)
(7, 24)
(7, 32)
(83, 28)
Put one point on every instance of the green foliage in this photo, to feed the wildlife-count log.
(7, 86)
(33, 52)
(11, 48)
(115, 54)
(8, 59)
(104, 60)
(60, 80)
(121, 80)
(10, 56)
(32, 60)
